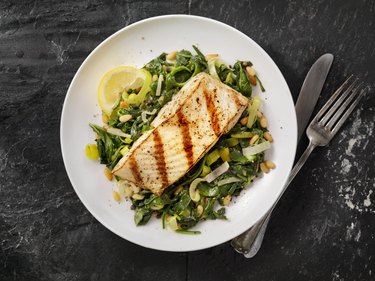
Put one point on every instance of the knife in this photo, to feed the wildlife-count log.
(310, 91)
(249, 242)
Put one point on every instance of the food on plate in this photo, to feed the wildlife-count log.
(183, 131)
(181, 136)
(115, 80)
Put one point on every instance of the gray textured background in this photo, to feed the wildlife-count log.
(323, 229)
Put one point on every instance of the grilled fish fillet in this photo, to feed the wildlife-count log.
(184, 130)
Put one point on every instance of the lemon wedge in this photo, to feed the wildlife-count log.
(115, 84)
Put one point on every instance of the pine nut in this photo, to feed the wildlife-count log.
(105, 118)
(137, 196)
(199, 210)
(178, 190)
(253, 139)
(125, 118)
(250, 71)
(116, 196)
(210, 56)
(124, 104)
(243, 121)
(263, 122)
(264, 168)
(108, 174)
(154, 77)
(270, 164)
(252, 79)
(259, 114)
(268, 136)
(171, 56)
(227, 200)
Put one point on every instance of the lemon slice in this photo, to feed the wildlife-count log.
(118, 81)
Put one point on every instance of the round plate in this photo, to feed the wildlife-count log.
(135, 45)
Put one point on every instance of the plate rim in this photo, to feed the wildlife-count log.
(87, 59)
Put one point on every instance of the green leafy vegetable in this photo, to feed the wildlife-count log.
(175, 204)
(243, 81)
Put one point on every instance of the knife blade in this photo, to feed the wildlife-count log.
(310, 91)
(249, 242)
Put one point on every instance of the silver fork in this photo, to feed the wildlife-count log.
(320, 132)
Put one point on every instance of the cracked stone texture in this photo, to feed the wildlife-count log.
(323, 227)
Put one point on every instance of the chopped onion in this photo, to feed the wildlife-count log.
(252, 150)
(158, 88)
(228, 180)
(172, 222)
(124, 188)
(212, 63)
(144, 118)
(117, 132)
(253, 108)
(212, 68)
(217, 172)
(145, 113)
(193, 192)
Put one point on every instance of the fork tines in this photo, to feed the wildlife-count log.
(338, 108)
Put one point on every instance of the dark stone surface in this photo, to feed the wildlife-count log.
(323, 228)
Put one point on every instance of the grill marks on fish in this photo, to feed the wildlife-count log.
(212, 111)
(186, 137)
(160, 158)
(135, 170)
(184, 130)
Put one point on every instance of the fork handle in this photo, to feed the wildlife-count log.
(249, 242)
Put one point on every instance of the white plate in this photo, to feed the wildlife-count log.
(136, 45)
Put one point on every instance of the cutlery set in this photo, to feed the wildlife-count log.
(320, 132)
